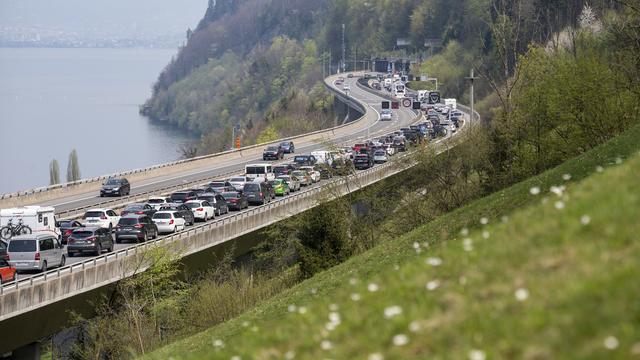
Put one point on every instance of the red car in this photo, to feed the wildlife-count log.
(7, 272)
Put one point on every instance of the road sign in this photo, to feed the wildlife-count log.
(416, 105)
(395, 105)
(406, 102)
(434, 97)
(385, 104)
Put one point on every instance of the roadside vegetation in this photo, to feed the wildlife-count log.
(543, 269)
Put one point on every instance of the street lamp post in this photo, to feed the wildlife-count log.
(471, 79)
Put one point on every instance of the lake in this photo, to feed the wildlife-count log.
(55, 100)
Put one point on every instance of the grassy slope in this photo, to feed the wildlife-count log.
(582, 281)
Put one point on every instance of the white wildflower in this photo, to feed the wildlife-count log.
(302, 310)
(289, 355)
(566, 177)
(392, 311)
(611, 342)
(314, 291)
(599, 169)
(585, 219)
(464, 232)
(218, 343)
(485, 234)
(236, 357)
(476, 354)
(505, 219)
(522, 294)
(333, 307)
(433, 261)
(432, 285)
(375, 356)
(334, 317)
(484, 221)
(373, 287)
(353, 281)
(326, 345)
(355, 297)
(292, 308)
(467, 244)
(414, 326)
(416, 245)
(618, 160)
(559, 205)
(400, 340)
(534, 190)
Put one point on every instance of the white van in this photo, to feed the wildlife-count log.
(37, 218)
(264, 171)
(452, 103)
(398, 89)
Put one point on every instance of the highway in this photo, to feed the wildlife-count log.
(371, 126)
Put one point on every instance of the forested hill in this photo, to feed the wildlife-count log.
(259, 63)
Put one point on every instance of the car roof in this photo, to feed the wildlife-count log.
(132, 216)
(88, 228)
(98, 209)
(34, 236)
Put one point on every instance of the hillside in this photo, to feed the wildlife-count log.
(250, 62)
(546, 268)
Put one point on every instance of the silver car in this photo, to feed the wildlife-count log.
(37, 252)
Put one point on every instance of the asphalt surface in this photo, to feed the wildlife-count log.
(374, 128)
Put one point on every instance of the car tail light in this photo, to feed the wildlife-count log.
(139, 212)
(138, 226)
(68, 232)
(91, 238)
(103, 217)
(71, 241)
(261, 194)
(37, 255)
(233, 200)
(6, 257)
(200, 209)
(171, 222)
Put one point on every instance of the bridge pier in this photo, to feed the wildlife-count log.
(27, 352)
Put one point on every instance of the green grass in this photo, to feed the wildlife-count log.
(582, 281)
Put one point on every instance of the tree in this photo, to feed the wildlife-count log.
(73, 167)
(54, 172)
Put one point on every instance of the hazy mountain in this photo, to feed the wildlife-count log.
(115, 19)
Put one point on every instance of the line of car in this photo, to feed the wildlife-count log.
(99, 229)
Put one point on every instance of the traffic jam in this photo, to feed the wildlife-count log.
(32, 239)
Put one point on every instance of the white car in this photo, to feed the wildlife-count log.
(390, 149)
(201, 209)
(104, 218)
(157, 201)
(346, 87)
(315, 175)
(380, 156)
(386, 114)
(168, 221)
(452, 127)
(238, 182)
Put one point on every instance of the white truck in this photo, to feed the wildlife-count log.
(452, 103)
(37, 218)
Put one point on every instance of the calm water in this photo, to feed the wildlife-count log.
(55, 100)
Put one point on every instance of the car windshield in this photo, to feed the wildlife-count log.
(22, 246)
(215, 184)
(230, 195)
(93, 214)
(179, 195)
(82, 234)
(272, 148)
(252, 187)
(112, 182)
(135, 207)
(255, 170)
(300, 158)
(193, 205)
(285, 144)
(156, 201)
(65, 223)
(128, 221)
(162, 215)
(379, 153)
(386, 111)
(285, 178)
(237, 179)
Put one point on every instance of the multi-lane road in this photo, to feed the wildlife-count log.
(370, 126)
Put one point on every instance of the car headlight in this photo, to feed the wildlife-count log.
(116, 189)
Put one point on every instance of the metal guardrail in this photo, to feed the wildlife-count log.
(176, 162)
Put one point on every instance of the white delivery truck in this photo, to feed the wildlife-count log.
(36, 218)
(451, 103)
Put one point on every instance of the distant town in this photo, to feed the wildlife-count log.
(46, 37)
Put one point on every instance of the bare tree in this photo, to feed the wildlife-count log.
(54, 172)
(73, 167)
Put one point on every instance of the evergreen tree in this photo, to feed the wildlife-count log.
(54, 172)
(73, 167)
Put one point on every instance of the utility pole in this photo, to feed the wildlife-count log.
(323, 73)
(344, 52)
(471, 80)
